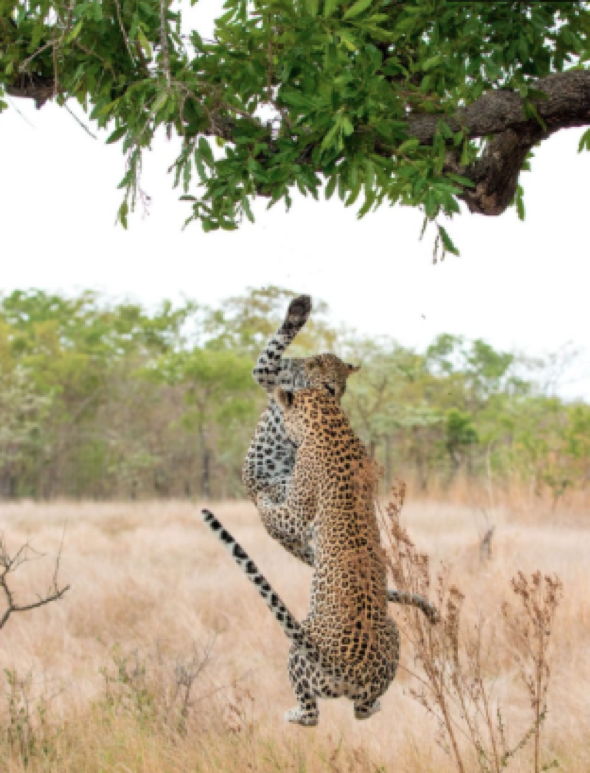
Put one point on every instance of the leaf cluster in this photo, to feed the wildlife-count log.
(297, 95)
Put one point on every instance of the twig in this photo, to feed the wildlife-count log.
(123, 31)
(86, 129)
(9, 565)
(164, 41)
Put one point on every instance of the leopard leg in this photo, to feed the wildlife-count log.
(303, 675)
(271, 455)
(293, 534)
(366, 698)
(366, 709)
(267, 372)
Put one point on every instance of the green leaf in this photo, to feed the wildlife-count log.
(354, 194)
(144, 42)
(408, 145)
(331, 186)
(519, 200)
(348, 40)
(108, 108)
(247, 210)
(122, 214)
(369, 176)
(347, 126)
(369, 201)
(117, 134)
(330, 136)
(465, 181)
(73, 33)
(446, 240)
(200, 165)
(206, 152)
(357, 8)
(429, 64)
(584, 141)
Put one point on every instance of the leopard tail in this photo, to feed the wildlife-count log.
(279, 611)
(414, 600)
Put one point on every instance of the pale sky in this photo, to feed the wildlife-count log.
(518, 285)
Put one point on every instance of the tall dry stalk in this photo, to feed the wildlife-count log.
(456, 682)
(538, 597)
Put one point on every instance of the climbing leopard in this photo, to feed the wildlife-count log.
(347, 645)
(269, 462)
(271, 456)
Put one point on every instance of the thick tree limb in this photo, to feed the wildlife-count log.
(499, 115)
(33, 87)
(567, 104)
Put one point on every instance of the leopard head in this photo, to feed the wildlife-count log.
(326, 371)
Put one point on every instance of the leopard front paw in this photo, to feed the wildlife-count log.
(298, 312)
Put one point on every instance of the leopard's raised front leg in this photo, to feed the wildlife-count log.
(285, 523)
(271, 370)
(271, 454)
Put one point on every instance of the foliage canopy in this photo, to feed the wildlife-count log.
(422, 102)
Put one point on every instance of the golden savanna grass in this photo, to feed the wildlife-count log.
(155, 602)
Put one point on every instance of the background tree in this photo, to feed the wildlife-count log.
(102, 399)
(422, 102)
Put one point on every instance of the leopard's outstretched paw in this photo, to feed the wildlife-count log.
(298, 312)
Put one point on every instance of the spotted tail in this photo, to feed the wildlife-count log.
(280, 612)
(414, 600)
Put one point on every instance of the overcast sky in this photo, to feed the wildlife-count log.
(518, 285)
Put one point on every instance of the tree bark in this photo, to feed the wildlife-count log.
(501, 115)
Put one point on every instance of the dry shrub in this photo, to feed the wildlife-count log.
(455, 660)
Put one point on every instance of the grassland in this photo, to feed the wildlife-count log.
(99, 679)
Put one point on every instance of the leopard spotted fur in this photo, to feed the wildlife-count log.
(347, 646)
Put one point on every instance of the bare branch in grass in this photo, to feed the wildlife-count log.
(9, 565)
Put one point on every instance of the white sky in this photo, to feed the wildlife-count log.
(518, 285)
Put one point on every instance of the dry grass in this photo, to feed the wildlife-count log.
(149, 579)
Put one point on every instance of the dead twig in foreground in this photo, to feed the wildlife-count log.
(10, 564)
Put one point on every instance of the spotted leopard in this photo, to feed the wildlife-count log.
(269, 461)
(347, 646)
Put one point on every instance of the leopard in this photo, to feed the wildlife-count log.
(270, 459)
(347, 646)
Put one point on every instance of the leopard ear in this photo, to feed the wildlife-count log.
(352, 368)
(284, 398)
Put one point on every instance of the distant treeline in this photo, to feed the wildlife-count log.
(107, 399)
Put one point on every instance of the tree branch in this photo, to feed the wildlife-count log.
(502, 113)
(9, 564)
(32, 86)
